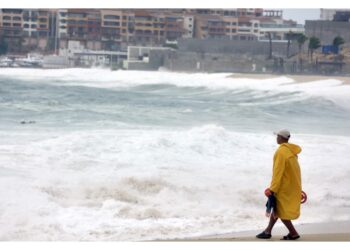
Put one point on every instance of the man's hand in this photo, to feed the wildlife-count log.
(268, 192)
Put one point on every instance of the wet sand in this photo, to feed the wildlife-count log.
(329, 231)
(296, 78)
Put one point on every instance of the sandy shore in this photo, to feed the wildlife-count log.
(296, 78)
(330, 231)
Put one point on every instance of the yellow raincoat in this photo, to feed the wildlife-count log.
(286, 181)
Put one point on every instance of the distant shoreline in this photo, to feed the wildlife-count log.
(298, 78)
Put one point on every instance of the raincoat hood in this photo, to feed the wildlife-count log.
(295, 149)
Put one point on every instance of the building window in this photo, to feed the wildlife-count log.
(43, 13)
(26, 26)
(6, 18)
(77, 15)
(15, 11)
(17, 18)
(112, 17)
(111, 23)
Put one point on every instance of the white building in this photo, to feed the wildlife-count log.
(188, 26)
(62, 23)
(278, 31)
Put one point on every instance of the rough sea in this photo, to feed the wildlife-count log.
(94, 154)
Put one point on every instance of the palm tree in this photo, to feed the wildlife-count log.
(314, 43)
(289, 37)
(301, 40)
(270, 45)
(338, 40)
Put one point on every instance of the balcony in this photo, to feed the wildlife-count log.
(280, 26)
(12, 11)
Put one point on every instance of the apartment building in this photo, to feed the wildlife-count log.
(11, 22)
(142, 27)
(240, 24)
(11, 27)
(83, 25)
(36, 27)
(111, 28)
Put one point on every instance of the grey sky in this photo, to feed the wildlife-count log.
(300, 15)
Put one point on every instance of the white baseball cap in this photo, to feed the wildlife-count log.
(284, 133)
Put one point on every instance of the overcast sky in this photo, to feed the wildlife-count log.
(300, 15)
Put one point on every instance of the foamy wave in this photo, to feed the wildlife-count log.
(147, 184)
(101, 78)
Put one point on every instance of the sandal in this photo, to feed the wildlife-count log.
(289, 237)
(263, 235)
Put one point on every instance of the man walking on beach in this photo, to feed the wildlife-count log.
(285, 186)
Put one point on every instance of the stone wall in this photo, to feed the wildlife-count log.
(225, 46)
(214, 62)
(148, 59)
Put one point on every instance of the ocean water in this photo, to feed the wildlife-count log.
(93, 154)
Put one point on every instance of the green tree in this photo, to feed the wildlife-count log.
(314, 43)
(338, 40)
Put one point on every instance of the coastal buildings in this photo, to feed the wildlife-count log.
(48, 30)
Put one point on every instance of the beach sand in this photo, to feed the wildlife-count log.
(296, 78)
(328, 231)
